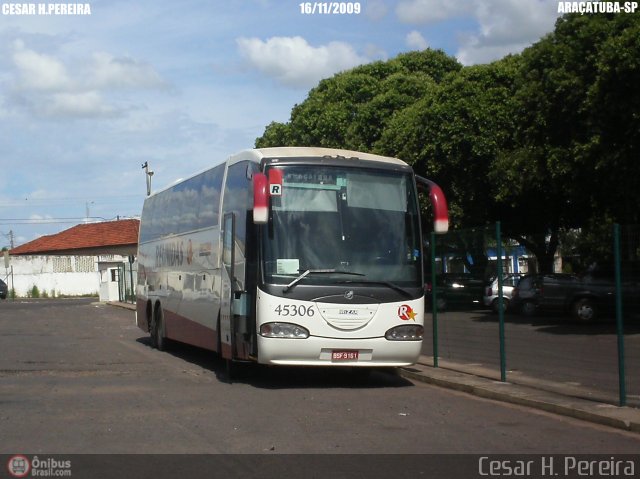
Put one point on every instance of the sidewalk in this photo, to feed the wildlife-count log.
(130, 306)
(530, 392)
(525, 391)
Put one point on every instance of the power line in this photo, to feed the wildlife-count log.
(65, 201)
(39, 221)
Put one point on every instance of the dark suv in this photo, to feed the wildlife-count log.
(456, 292)
(4, 290)
(585, 297)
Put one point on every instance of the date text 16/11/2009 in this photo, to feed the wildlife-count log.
(330, 8)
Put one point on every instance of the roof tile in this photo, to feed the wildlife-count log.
(90, 235)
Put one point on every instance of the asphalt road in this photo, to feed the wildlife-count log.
(551, 348)
(78, 377)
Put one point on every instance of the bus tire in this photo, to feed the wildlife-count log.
(158, 339)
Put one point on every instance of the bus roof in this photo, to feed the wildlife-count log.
(258, 154)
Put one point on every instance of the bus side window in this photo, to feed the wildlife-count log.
(210, 188)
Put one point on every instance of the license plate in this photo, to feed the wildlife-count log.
(344, 355)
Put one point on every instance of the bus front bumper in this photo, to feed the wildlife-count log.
(317, 351)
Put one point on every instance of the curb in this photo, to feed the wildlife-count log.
(624, 418)
(129, 306)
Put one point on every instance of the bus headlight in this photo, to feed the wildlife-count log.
(410, 332)
(283, 330)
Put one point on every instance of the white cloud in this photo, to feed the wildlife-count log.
(293, 62)
(423, 12)
(504, 26)
(107, 71)
(79, 105)
(37, 217)
(47, 86)
(38, 71)
(375, 10)
(416, 41)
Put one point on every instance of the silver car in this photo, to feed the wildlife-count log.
(490, 295)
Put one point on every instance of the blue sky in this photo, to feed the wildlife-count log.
(86, 99)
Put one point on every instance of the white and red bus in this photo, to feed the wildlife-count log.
(289, 256)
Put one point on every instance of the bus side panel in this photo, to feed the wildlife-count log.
(141, 314)
(178, 258)
(183, 329)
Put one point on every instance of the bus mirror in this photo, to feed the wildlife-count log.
(260, 199)
(439, 203)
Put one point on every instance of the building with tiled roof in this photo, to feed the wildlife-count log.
(87, 259)
(109, 237)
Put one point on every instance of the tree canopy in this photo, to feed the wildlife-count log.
(543, 141)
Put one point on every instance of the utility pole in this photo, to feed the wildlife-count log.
(11, 240)
(86, 210)
(148, 175)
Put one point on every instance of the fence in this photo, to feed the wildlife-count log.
(573, 322)
(127, 280)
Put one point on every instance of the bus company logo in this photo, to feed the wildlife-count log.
(170, 254)
(19, 466)
(406, 313)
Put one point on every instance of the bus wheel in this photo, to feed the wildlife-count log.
(157, 330)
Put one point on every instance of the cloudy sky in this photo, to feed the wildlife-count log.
(86, 99)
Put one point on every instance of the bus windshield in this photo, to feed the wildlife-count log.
(351, 224)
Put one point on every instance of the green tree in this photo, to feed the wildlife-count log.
(567, 162)
(351, 109)
(545, 141)
(453, 136)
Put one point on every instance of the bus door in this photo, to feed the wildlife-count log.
(228, 280)
(235, 318)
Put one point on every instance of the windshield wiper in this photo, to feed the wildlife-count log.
(316, 271)
(388, 284)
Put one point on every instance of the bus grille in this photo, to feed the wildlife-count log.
(347, 317)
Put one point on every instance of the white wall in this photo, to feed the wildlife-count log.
(59, 275)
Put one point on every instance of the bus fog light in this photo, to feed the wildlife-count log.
(411, 332)
(283, 330)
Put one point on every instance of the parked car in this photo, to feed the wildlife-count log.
(456, 291)
(585, 297)
(4, 290)
(490, 297)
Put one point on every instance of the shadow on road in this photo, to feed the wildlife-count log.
(284, 377)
